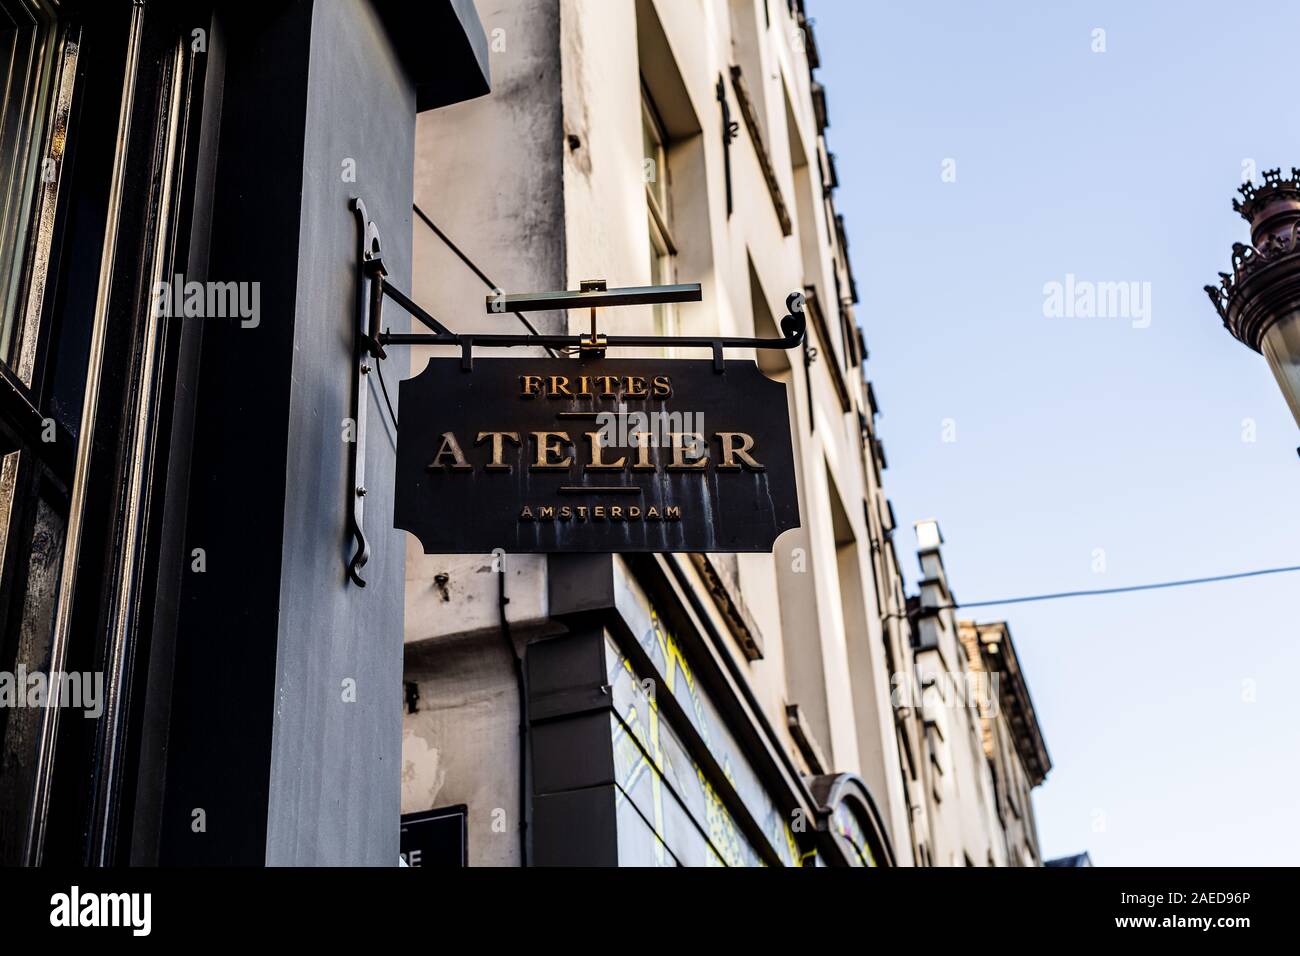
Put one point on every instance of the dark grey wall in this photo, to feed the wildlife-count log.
(286, 712)
(218, 750)
(334, 786)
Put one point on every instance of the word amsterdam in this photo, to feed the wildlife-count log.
(518, 455)
(599, 513)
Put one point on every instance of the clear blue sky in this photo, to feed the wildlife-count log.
(1172, 717)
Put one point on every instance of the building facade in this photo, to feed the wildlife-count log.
(682, 709)
(198, 194)
(974, 746)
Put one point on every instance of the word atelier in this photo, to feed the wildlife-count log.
(557, 451)
(685, 451)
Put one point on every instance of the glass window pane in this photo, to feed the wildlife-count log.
(660, 274)
(8, 479)
(28, 79)
(653, 158)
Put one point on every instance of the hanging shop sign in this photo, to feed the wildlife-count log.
(540, 455)
(532, 455)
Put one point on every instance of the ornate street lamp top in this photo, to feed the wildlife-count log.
(1265, 281)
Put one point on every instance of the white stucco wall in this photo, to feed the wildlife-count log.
(541, 184)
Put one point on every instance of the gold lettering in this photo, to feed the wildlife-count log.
(546, 512)
(582, 512)
(643, 462)
(679, 462)
(616, 513)
(449, 447)
(730, 452)
(598, 511)
(596, 464)
(609, 385)
(634, 387)
(566, 513)
(530, 386)
(546, 448)
(560, 386)
(498, 448)
(663, 386)
(652, 514)
(526, 514)
(673, 512)
(633, 512)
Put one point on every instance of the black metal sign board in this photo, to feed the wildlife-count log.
(436, 838)
(531, 455)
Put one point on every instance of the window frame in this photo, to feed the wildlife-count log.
(658, 196)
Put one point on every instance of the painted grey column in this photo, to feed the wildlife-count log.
(287, 713)
(336, 739)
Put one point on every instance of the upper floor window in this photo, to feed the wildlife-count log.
(659, 209)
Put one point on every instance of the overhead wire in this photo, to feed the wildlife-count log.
(1124, 589)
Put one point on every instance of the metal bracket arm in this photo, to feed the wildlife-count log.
(366, 347)
(793, 325)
